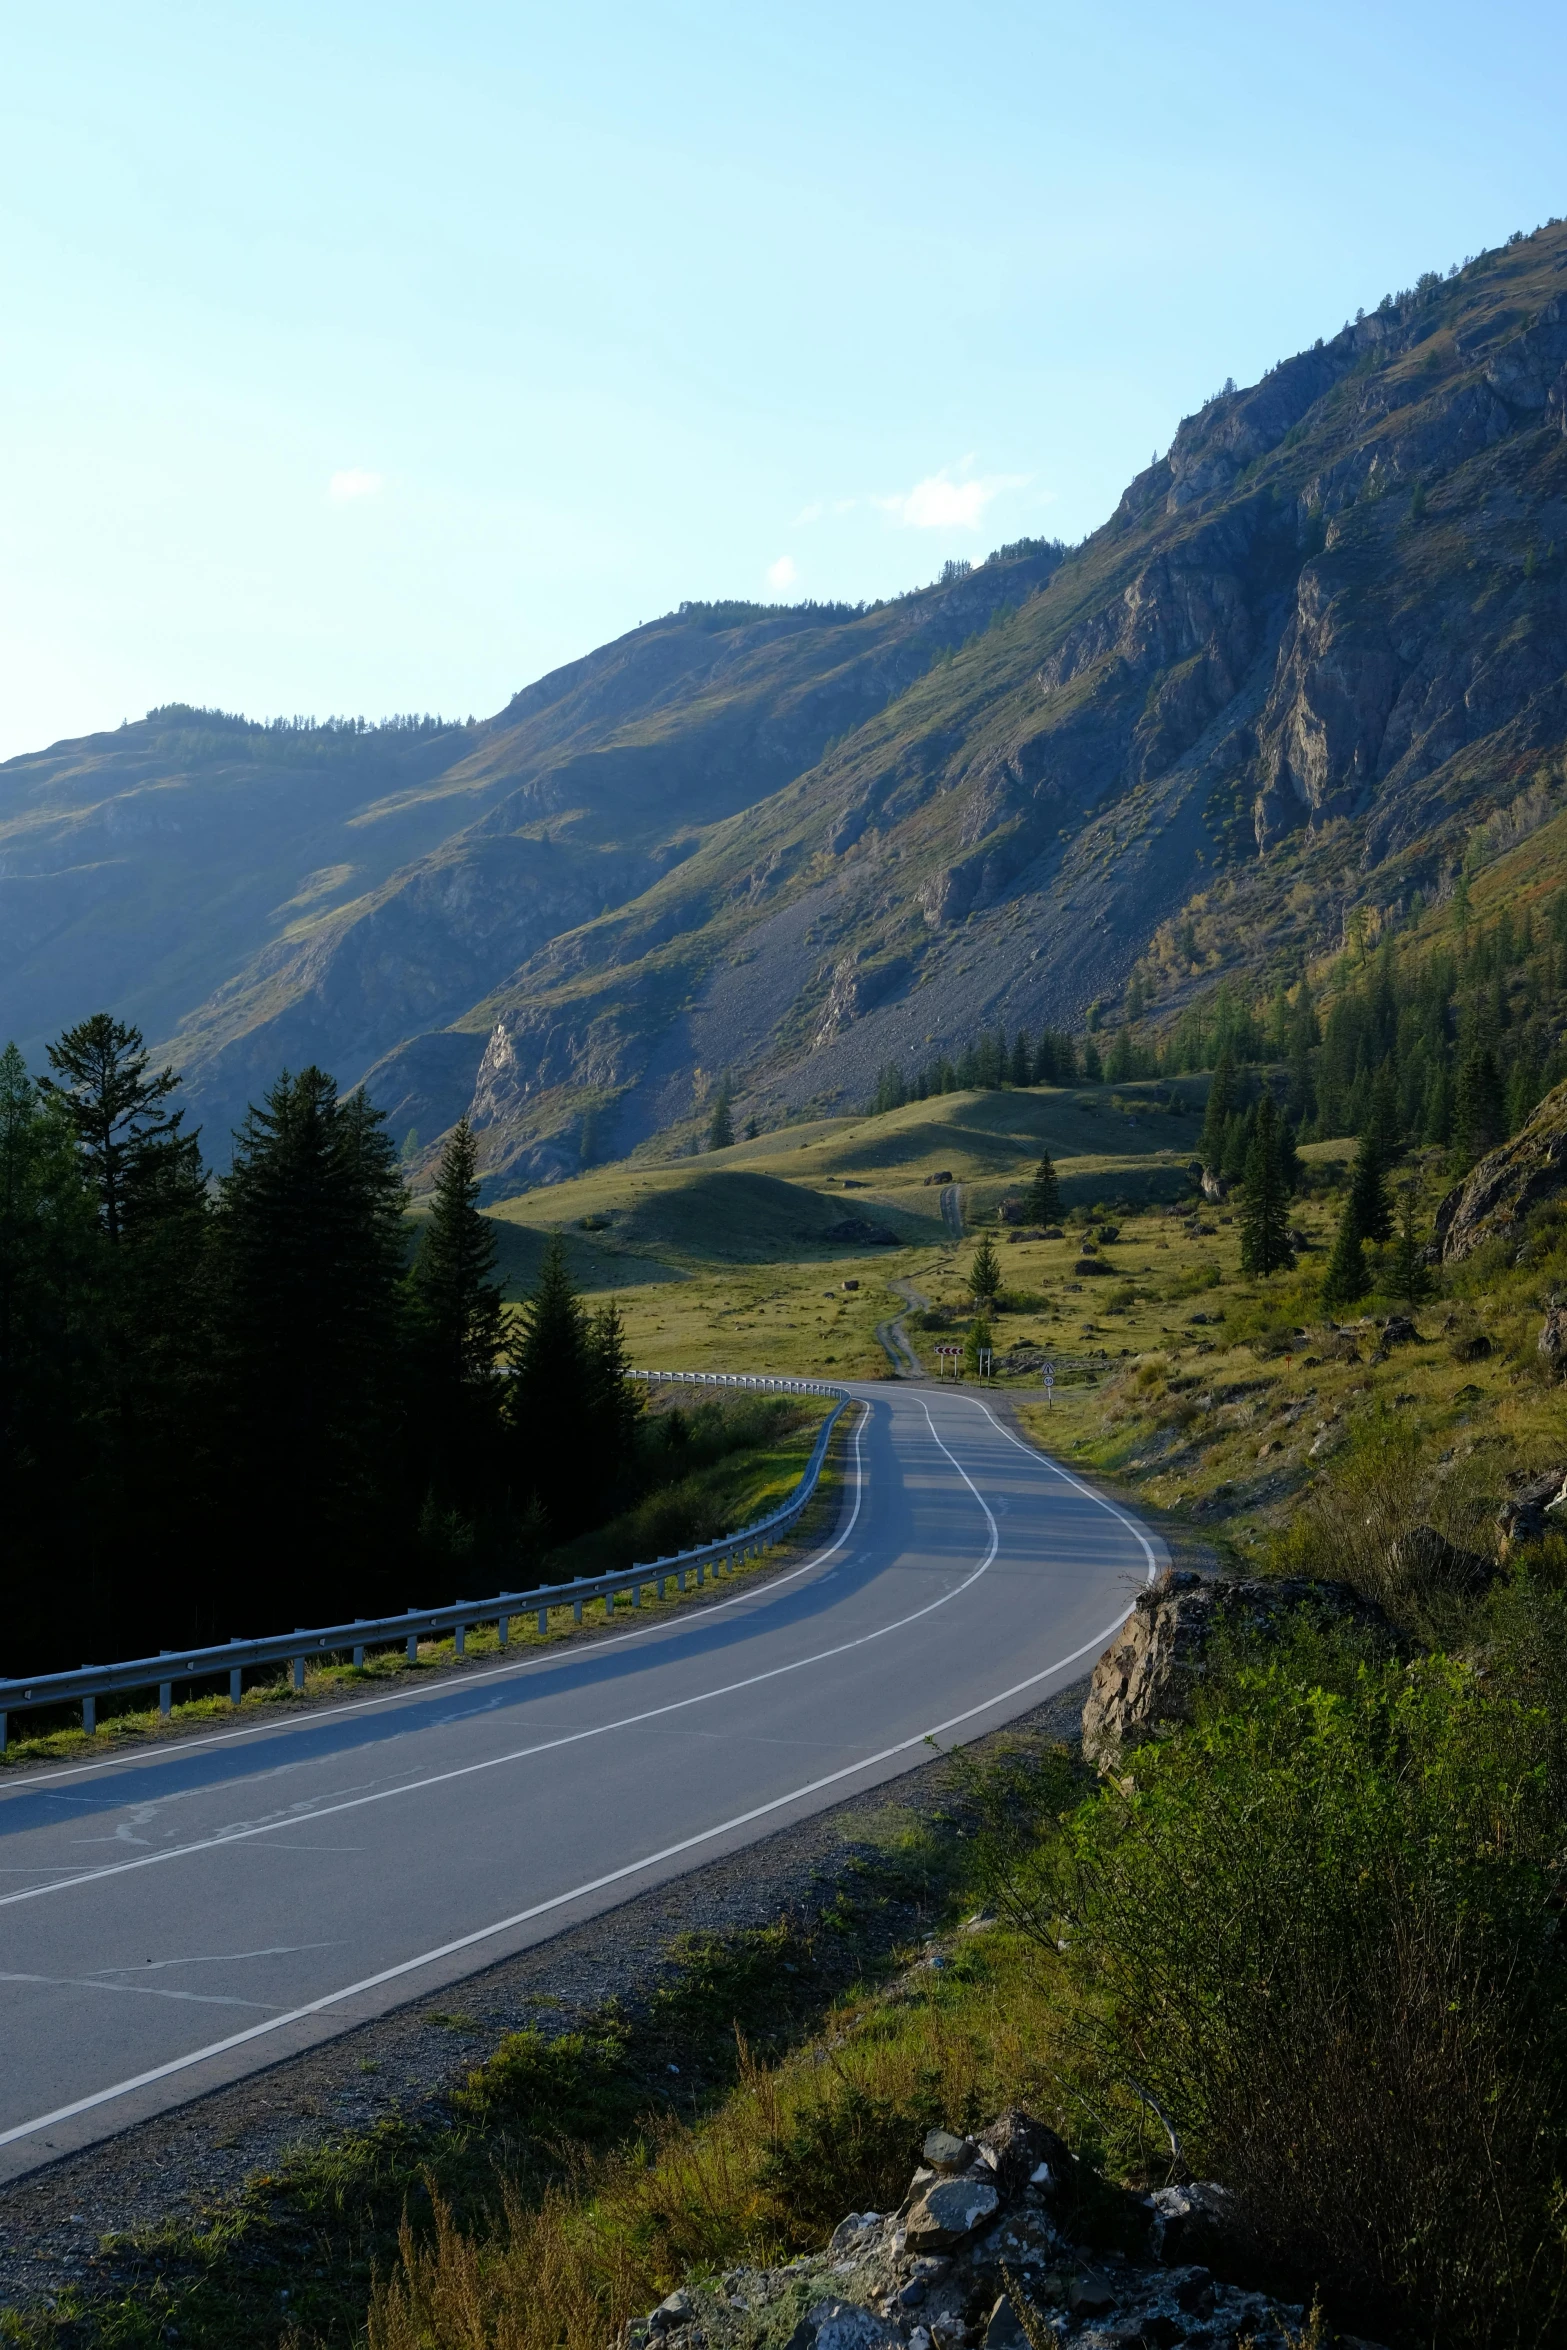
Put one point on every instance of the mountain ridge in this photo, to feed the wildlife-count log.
(1316, 645)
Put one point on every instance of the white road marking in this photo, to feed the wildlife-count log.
(469, 1941)
(364, 1705)
(300, 1815)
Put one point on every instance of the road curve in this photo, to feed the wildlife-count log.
(172, 1919)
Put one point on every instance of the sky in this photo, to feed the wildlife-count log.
(358, 360)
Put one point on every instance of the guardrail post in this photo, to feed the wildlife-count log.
(359, 1648)
(90, 1715)
(544, 1621)
(609, 1606)
(459, 1639)
(636, 1595)
(503, 1630)
(235, 1682)
(3, 1732)
(576, 1611)
(299, 1673)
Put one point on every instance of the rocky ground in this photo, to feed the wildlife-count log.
(997, 2244)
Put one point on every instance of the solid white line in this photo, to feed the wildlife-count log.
(455, 1685)
(295, 1820)
(1046, 1461)
(523, 1917)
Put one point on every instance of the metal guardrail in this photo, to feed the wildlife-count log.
(237, 1657)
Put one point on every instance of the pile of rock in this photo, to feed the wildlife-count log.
(983, 2254)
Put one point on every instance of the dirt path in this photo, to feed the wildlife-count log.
(952, 1208)
(895, 1338)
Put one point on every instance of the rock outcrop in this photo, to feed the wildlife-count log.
(1143, 1685)
(1495, 1197)
(1009, 2262)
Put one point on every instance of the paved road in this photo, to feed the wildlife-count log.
(171, 1920)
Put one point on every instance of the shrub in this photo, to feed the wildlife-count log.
(1318, 1937)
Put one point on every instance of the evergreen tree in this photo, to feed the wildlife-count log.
(1368, 1206)
(1346, 1278)
(1480, 1109)
(115, 1108)
(1043, 1204)
(721, 1125)
(614, 1402)
(1264, 1211)
(977, 1344)
(554, 1388)
(457, 1320)
(1223, 1099)
(1305, 1036)
(311, 1263)
(1382, 1129)
(984, 1273)
(1409, 1279)
(1093, 1067)
(1022, 1065)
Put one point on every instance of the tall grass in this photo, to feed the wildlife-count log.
(770, 2174)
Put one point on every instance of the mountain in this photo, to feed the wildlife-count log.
(1319, 650)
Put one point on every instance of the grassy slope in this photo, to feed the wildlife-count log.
(705, 1255)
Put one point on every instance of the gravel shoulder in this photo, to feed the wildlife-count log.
(407, 2064)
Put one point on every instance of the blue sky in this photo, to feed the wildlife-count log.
(367, 359)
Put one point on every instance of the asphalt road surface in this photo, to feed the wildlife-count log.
(172, 1919)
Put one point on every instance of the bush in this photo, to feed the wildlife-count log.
(1318, 1938)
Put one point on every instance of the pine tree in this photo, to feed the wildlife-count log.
(115, 1108)
(1264, 1216)
(1346, 1278)
(457, 1323)
(984, 1273)
(1043, 1204)
(977, 1344)
(614, 1402)
(1223, 1099)
(1480, 1108)
(1368, 1206)
(721, 1125)
(553, 1391)
(1093, 1067)
(311, 1253)
(1383, 1130)
(1408, 1278)
(1022, 1066)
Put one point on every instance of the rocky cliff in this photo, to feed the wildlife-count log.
(1316, 645)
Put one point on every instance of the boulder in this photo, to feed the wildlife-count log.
(1552, 1341)
(1496, 1196)
(949, 2212)
(1142, 1685)
(946, 2152)
(1214, 1186)
(1022, 2152)
(1399, 1330)
(1425, 1560)
(1194, 2223)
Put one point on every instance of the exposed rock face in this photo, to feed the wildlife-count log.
(876, 2286)
(1142, 1686)
(1552, 1341)
(1493, 1200)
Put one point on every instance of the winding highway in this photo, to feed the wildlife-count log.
(174, 1918)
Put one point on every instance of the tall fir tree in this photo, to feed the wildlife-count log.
(1347, 1277)
(721, 1125)
(551, 1402)
(311, 1255)
(1043, 1203)
(1264, 1209)
(1223, 1099)
(457, 1323)
(1480, 1108)
(984, 1273)
(1368, 1206)
(1408, 1276)
(117, 1111)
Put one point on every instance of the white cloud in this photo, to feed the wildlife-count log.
(944, 501)
(782, 574)
(354, 483)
